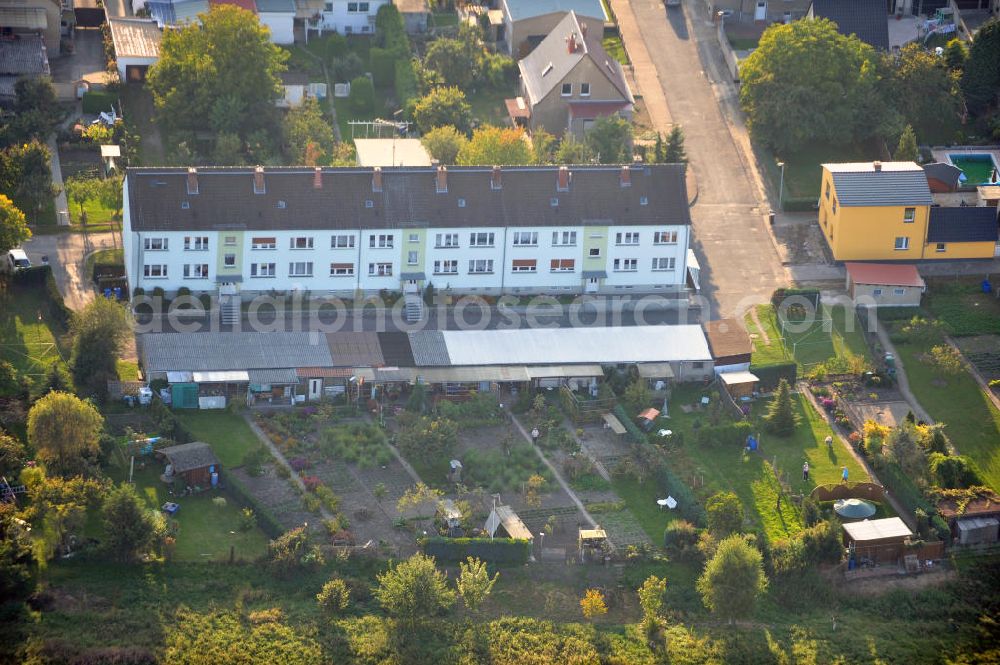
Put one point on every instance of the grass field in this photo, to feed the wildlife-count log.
(973, 422)
(803, 171)
(227, 433)
(964, 307)
(840, 338)
(205, 531)
(28, 338)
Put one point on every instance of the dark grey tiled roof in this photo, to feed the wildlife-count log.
(24, 56)
(213, 351)
(963, 224)
(395, 348)
(226, 198)
(429, 348)
(896, 184)
(947, 173)
(868, 19)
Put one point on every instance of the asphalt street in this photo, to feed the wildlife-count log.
(325, 317)
(739, 263)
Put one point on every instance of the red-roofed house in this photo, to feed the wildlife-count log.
(884, 284)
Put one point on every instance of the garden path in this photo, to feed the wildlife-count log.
(901, 378)
(280, 459)
(905, 515)
(555, 472)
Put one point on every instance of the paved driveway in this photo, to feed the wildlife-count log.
(67, 254)
(739, 261)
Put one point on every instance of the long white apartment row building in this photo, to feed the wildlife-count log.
(350, 231)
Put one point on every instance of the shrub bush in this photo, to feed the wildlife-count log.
(499, 551)
(362, 97)
(383, 67)
(96, 101)
(771, 375)
(334, 596)
(731, 435)
(680, 538)
(634, 433)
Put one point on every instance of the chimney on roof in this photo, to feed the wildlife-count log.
(571, 42)
(317, 177)
(377, 179)
(258, 180)
(562, 183)
(192, 181)
(877, 166)
(441, 180)
(625, 177)
(495, 179)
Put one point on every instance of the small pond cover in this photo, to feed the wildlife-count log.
(855, 509)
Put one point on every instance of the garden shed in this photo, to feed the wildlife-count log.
(884, 284)
(739, 384)
(193, 463)
(881, 541)
(977, 530)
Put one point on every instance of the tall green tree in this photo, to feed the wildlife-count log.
(443, 106)
(66, 432)
(455, 60)
(26, 177)
(724, 514)
(806, 82)
(128, 525)
(80, 190)
(474, 583)
(981, 76)
(13, 226)
(37, 112)
(110, 194)
(100, 330)
(308, 135)
(674, 152)
(228, 149)
(781, 418)
(221, 69)
(12, 455)
(956, 53)
(543, 146)
(610, 139)
(414, 590)
(925, 92)
(733, 580)
(496, 145)
(651, 600)
(906, 150)
(444, 143)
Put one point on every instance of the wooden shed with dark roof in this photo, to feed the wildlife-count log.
(729, 343)
(193, 463)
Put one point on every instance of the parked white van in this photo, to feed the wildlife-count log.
(16, 260)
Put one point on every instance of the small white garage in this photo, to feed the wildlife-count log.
(137, 46)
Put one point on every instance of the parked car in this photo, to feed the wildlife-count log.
(16, 260)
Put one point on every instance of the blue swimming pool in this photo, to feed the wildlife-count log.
(978, 168)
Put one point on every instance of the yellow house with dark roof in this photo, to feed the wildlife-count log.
(884, 211)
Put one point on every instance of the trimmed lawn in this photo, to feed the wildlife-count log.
(752, 479)
(29, 339)
(205, 531)
(139, 112)
(811, 346)
(102, 256)
(227, 433)
(641, 501)
(128, 370)
(443, 19)
(973, 421)
(488, 107)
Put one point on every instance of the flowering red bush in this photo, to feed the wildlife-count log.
(311, 482)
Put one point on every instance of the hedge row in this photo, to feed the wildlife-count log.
(507, 551)
(266, 520)
(687, 504)
(903, 488)
(730, 435)
(97, 101)
(405, 81)
(633, 430)
(810, 294)
(771, 375)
